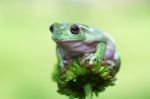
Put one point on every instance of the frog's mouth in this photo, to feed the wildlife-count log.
(70, 42)
(67, 40)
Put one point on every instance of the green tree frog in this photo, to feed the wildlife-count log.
(78, 40)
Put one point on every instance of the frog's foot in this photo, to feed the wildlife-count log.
(109, 63)
(94, 59)
(84, 59)
(91, 59)
(64, 64)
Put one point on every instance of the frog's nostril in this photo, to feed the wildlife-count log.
(51, 28)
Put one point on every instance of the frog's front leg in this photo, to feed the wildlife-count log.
(99, 54)
(60, 58)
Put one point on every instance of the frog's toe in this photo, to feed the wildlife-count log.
(86, 58)
(109, 63)
(94, 60)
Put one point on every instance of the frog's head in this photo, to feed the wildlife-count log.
(67, 32)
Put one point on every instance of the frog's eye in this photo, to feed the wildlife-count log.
(75, 29)
(51, 28)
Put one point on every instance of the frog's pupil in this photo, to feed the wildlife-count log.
(51, 28)
(75, 29)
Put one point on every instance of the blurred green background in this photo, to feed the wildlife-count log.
(27, 53)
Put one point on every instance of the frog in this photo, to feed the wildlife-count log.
(78, 40)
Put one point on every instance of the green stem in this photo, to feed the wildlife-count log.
(71, 97)
(88, 91)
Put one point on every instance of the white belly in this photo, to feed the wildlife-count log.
(76, 48)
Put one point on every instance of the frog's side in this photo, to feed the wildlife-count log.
(75, 40)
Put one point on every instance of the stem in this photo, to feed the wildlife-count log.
(88, 91)
(71, 97)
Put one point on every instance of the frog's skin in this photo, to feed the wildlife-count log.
(78, 40)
